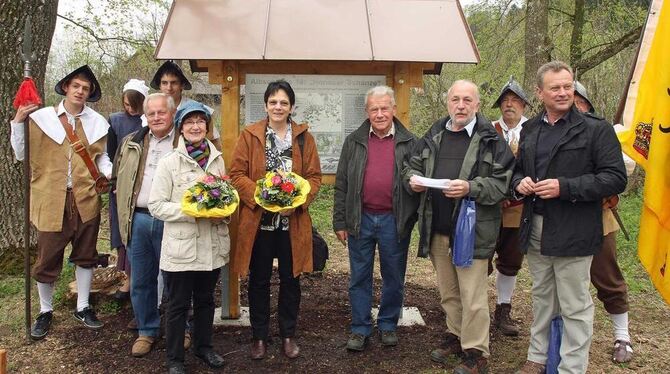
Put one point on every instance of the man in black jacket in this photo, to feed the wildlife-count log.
(567, 163)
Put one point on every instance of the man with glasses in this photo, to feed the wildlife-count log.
(134, 168)
(373, 209)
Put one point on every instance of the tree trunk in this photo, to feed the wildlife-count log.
(12, 22)
(537, 44)
(577, 32)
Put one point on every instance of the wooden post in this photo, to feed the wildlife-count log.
(401, 86)
(3, 361)
(230, 130)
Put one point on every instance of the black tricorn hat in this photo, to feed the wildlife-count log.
(512, 86)
(95, 93)
(169, 67)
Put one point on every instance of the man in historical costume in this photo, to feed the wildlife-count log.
(466, 149)
(606, 275)
(373, 209)
(134, 168)
(64, 204)
(567, 163)
(170, 80)
(512, 103)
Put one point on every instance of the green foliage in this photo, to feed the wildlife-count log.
(10, 286)
(109, 307)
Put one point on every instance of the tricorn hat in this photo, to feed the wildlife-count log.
(95, 93)
(169, 67)
(581, 91)
(512, 86)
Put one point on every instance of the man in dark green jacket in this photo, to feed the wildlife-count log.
(374, 209)
(465, 149)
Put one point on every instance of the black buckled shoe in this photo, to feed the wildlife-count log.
(88, 318)
(41, 326)
(211, 358)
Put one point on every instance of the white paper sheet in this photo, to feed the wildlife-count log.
(431, 183)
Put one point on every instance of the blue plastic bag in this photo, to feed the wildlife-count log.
(463, 247)
(554, 351)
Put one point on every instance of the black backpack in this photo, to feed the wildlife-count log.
(319, 245)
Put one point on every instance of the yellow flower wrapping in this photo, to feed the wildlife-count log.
(191, 209)
(301, 183)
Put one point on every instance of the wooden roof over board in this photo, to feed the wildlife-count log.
(428, 31)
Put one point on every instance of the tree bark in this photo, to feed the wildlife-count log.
(588, 63)
(538, 47)
(12, 21)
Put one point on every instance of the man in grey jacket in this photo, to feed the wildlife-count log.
(134, 168)
(373, 209)
(465, 149)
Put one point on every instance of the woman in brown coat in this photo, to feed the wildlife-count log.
(270, 144)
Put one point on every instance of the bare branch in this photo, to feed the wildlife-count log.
(100, 39)
(612, 49)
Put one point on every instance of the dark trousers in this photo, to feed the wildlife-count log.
(268, 245)
(508, 256)
(51, 245)
(184, 286)
(607, 278)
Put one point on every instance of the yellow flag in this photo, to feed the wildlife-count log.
(647, 141)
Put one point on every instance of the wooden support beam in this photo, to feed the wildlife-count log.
(3, 361)
(230, 130)
(401, 86)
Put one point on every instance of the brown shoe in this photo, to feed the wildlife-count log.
(291, 349)
(530, 367)
(502, 320)
(450, 347)
(142, 345)
(623, 352)
(474, 362)
(258, 349)
(187, 340)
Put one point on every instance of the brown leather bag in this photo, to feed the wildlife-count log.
(101, 182)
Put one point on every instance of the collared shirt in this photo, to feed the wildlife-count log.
(391, 131)
(17, 140)
(158, 148)
(512, 135)
(470, 127)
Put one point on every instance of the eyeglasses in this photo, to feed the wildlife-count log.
(199, 122)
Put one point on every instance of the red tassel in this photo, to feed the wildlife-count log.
(27, 94)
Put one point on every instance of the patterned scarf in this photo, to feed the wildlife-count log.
(199, 152)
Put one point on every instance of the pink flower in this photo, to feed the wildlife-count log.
(225, 177)
(208, 179)
(276, 180)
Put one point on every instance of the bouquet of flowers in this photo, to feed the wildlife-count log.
(211, 197)
(280, 190)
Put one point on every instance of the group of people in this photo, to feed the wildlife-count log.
(544, 192)
(539, 192)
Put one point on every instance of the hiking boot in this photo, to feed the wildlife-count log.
(388, 338)
(41, 326)
(502, 320)
(623, 352)
(474, 362)
(530, 367)
(356, 342)
(450, 347)
(88, 318)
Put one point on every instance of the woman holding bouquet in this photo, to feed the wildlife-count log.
(275, 143)
(193, 249)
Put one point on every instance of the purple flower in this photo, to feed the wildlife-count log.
(265, 194)
(199, 198)
(215, 193)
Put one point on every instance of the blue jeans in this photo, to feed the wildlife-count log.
(376, 230)
(144, 252)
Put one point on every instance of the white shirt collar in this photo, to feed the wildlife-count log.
(391, 131)
(470, 127)
(168, 136)
(61, 110)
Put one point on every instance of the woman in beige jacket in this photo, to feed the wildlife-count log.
(193, 249)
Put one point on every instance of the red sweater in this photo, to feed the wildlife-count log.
(378, 179)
